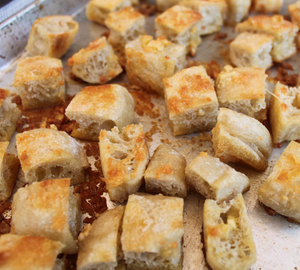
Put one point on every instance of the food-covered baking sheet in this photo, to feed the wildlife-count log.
(276, 239)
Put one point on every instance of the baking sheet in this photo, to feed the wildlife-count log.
(276, 239)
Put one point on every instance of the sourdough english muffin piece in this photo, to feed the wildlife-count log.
(52, 36)
(215, 180)
(97, 63)
(267, 6)
(251, 50)
(228, 236)
(241, 139)
(100, 242)
(294, 11)
(125, 25)
(28, 252)
(49, 154)
(163, 5)
(40, 82)
(281, 190)
(165, 173)
(152, 232)
(180, 25)
(124, 157)
(98, 10)
(284, 33)
(50, 209)
(150, 61)
(191, 101)
(100, 107)
(237, 10)
(243, 90)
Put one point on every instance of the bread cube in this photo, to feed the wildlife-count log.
(125, 25)
(239, 138)
(9, 115)
(50, 209)
(100, 107)
(243, 90)
(152, 232)
(97, 63)
(294, 11)
(215, 180)
(163, 5)
(98, 10)
(50, 154)
(52, 36)
(251, 50)
(237, 10)
(191, 101)
(165, 173)
(284, 33)
(267, 6)
(180, 25)
(228, 236)
(40, 82)
(284, 113)
(150, 61)
(124, 157)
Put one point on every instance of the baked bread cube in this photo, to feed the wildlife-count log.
(215, 180)
(97, 63)
(267, 6)
(152, 232)
(239, 138)
(284, 33)
(100, 107)
(237, 10)
(163, 5)
(165, 173)
(281, 189)
(180, 25)
(243, 90)
(28, 252)
(294, 11)
(191, 101)
(285, 113)
(51, 154)
(125, 25)
(49, 209)
(98, 10)
(40, 82)
(52, 36)
(251, 50)
(9, 115)
(99, 242)
(124, 157)
(228, 236)
(9, 166)
(150, 61)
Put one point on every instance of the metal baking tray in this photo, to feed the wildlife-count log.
(276, 239)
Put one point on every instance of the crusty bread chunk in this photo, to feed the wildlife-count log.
(125, 25)
(241, 139)
(215, 180)
(237, 10)
(98, 10)
(284, 33)
(28, 252)
(124, 157)
(100, 107)
(191, 101)
(267, 6)
(51, 154)
(9, 166)
(285, 113)
(163, 5)
(50, 209)
(9, 115)
(228, 236)
(150, 61)
(251, 50)
(180, 25)
(97, 63)
(243, 90)
(52, 36)
(100, 242)
(165, 173)
(294, 11)
(152, 232)
(40, 82)
(281, 190)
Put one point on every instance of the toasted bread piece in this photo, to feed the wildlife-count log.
(294, 10)
(163, 5)
(237, 10)
(267, 6)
